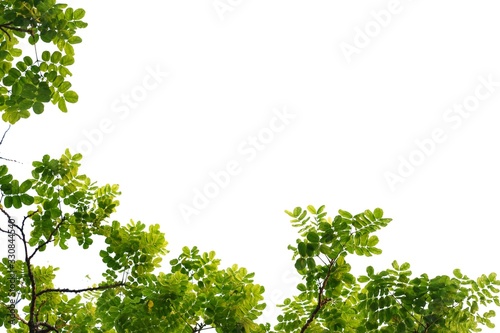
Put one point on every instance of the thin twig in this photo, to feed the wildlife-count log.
(4, 133)
(1, 141)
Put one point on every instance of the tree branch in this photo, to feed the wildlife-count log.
(48, 328)
(10, 27)
(49, 239)
(321, 301)
(27, 259)
(4, 133)
(67, 290)
(407, 311)
(10, 219)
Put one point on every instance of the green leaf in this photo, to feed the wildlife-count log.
(68, 14)
(15, 73)
(373, 240)
(71, 96)
(345, 214)
(297, 211)
(74, 40)
(78, 14)
(16, 201)
(458, 274)
(67, 60)
(301, 287)
(45, 55)
(313, 237)
(21, 66)
(27, 199)
(363, 279)
(300, 264)
(62, 105)
(56, 57)
(17, 88)
(325, 249)
(3, 170)
(311, 264)
(68, 48)
(474, 307)
(311, 209)
(405, 266)
(378, 213)
(369, 215)
(7, 201)
(16, 52)
(301, 247)
(9, 80)
(38, 107)
(311, 249)
(25, 186)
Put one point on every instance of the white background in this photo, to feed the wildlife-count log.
(355, 118)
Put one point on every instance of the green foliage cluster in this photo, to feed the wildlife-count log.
(331, 299)
(136, 294)
(28, 83)
(63, 208)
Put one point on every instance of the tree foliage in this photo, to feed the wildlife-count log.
(63, 209)
(28, 83)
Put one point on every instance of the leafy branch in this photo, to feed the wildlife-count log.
(67, 290)
(9, 26)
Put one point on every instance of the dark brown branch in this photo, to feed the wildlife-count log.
(323, 301)
(48, 328)
(27, 259)
(198, 328)
(15, 225)
(5, 213)
(67, 290)
(10, 27)
(49, 239)
(5, 31)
